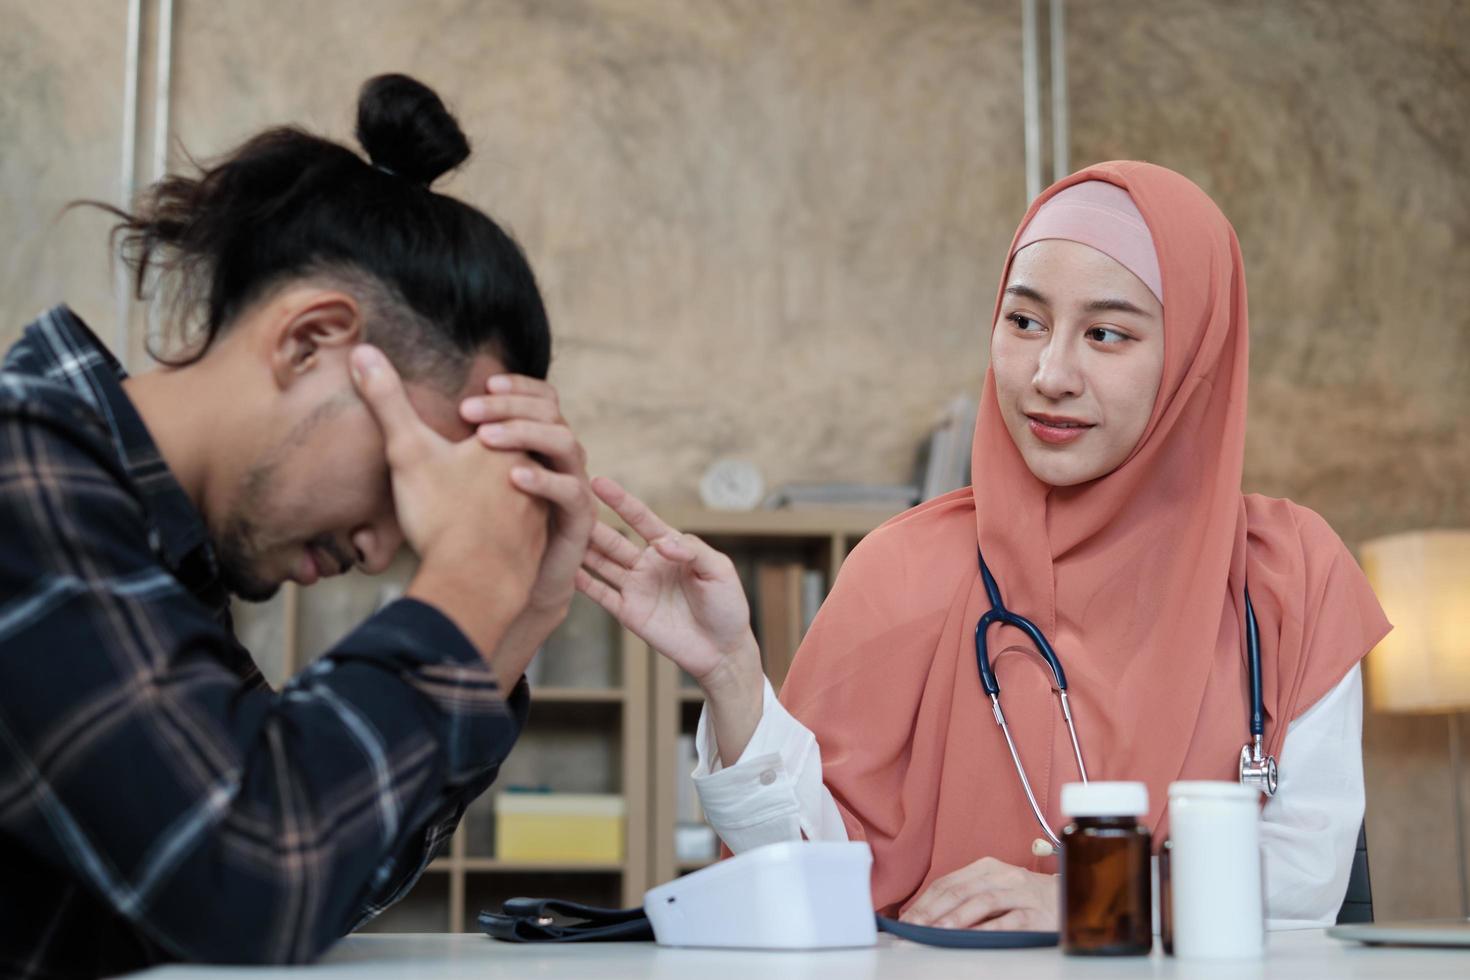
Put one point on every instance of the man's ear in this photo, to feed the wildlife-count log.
(310, 325)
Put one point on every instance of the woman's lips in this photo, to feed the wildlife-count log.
(1056, 432)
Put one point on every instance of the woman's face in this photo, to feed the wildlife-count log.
(1077, 355)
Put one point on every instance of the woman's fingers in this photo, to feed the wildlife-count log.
(615, 546)
(604, 566)
(1014, 920)
(945, 895)
(632, 510)
(936, 900)
(975, 910)
(691, 550)
(988, 894)
(599, 592)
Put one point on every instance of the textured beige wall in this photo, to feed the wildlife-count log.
(61, 102)
(1336, 137)
(763, 228)
(771, 229)
(758, 225)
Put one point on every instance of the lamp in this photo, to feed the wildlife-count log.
(1422, 578)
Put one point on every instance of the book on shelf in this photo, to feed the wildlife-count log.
(947, 465)
(686, 801)
(779, 619)
(813, 592)
(561, 827)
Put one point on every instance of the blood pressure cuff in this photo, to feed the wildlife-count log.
(965, 938)
(550, 920)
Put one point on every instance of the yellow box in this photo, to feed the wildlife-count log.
(559, 827)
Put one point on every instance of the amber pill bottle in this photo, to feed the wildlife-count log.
(1106, 892)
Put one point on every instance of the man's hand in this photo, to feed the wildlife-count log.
(524, 414)
(478, 537)
(988, 894)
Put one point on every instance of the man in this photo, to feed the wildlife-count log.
(157, 800)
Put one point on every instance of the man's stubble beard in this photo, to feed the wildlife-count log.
(237, 547)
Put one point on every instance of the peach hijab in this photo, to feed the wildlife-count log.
(1137, 579)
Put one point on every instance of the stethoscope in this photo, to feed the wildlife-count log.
(1256, 768)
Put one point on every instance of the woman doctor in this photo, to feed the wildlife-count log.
(1106, 502)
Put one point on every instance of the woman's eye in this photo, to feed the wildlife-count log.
(1107, 335)
(1023, 322)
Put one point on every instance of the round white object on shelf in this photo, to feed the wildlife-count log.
(732, 484)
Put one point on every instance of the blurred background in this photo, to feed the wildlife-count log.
(770, 231)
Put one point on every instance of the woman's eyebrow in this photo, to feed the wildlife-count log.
(1018, 289)
(1115, 305)
(1092, 306)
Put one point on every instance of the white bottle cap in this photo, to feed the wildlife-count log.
(1104, 799)
(1211, 789)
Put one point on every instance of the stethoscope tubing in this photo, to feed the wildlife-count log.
(1253, 659)
(998, 613)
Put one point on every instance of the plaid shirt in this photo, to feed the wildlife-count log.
(158, 801)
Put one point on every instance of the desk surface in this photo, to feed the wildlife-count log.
(1304, 955)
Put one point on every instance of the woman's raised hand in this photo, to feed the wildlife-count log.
(684, 599)
(676, 592)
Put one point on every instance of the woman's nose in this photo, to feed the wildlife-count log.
(1058, 372)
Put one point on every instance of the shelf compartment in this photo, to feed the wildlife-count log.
(577, 695)
(486, 864)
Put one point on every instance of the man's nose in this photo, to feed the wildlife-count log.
(378, 544)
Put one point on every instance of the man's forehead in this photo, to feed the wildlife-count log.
(441, 411)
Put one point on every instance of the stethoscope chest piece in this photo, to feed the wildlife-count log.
(1258, 769)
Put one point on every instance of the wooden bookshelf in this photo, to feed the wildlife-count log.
(644, 709)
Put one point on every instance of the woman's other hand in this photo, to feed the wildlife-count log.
(988, 894)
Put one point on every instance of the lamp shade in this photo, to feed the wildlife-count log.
(1423, 581)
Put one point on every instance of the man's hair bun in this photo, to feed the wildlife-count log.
(406, 130)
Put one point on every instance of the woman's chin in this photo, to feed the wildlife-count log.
(1062, 469)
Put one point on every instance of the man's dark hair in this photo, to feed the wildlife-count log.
(439, 280)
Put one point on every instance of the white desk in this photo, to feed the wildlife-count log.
(1307, 955)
